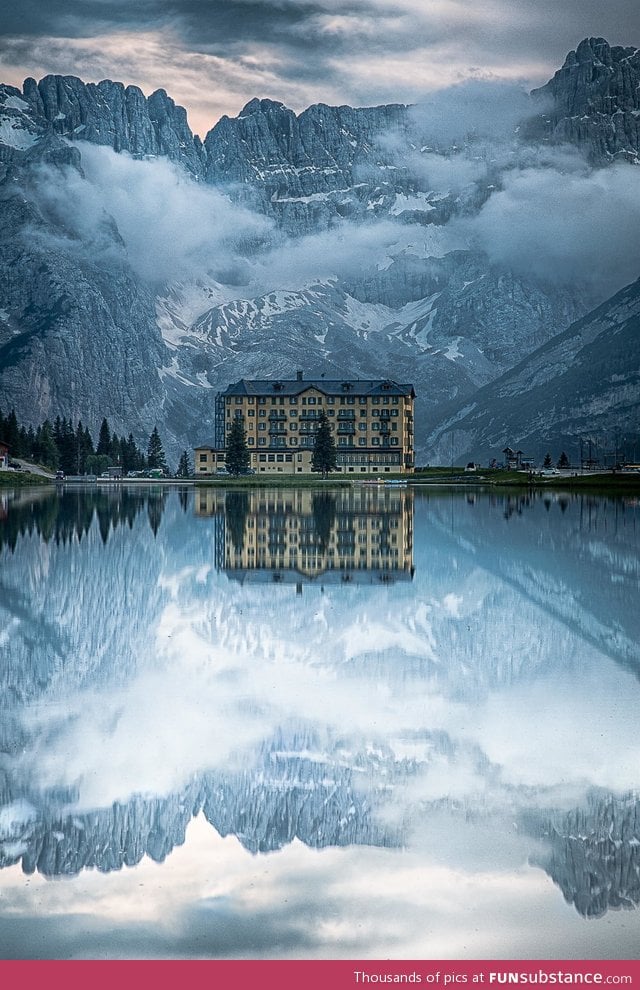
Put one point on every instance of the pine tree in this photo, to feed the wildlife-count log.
(324, 451)
(564, 460)
(547, 461)
(238, 457)
(45, 450)
(104, 439)
(184, 467)
(155, 453)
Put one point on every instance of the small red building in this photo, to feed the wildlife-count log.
(4, 455)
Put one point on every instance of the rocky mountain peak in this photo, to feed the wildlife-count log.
(256, 105)
(595, 99)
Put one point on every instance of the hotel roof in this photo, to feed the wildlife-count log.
(357, 386)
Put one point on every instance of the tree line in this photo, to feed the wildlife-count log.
(61, 446)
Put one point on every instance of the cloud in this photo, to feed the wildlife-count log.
(565, 226)
(476, 109)
(171, 226)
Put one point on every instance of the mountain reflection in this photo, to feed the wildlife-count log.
(462, 658)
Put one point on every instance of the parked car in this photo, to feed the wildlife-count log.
(16, 465)
(59, 475)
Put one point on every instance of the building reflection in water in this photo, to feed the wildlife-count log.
(360, 535)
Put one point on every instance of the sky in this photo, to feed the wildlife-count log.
(213, 56)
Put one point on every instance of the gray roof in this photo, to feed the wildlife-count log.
(359, 387)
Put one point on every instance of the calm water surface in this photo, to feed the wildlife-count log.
(342, 724)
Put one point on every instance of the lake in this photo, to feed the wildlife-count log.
(366, 722)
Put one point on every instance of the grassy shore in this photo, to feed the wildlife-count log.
(16, 479)
(606, 482)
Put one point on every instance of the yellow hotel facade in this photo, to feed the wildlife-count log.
(372, 424)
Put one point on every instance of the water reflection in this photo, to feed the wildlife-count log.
(466, 698)
(345, 535)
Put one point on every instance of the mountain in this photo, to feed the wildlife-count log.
(353, 242)
(584, 384)
(595, 101)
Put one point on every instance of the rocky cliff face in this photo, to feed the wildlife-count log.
(111, 114)
(584, 384)
(595, 100)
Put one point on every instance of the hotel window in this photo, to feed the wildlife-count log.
(203, 457)
(330, 400)
(262, 426)
(262, 441)
(362, 441)
(395, 400)
(239, 400)
(394, 441)
(311, 400)
(251, 412)
(250, 440)
(376, 400)
(262, 401)
(362, 427)
(376, 441)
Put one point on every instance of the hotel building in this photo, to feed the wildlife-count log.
(372, 423)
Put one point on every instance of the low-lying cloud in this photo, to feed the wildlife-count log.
(170, 226)
(565, 227)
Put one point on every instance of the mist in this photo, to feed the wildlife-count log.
(565, 226)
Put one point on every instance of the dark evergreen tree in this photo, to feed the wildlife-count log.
(132, 457)
(84, 447)
(45, 449)
(184, 467)
(238, 457)
(547, 461)
(67, 448)
(115, 451)
(155, 453)
(564, 460)
(12, 432)
(23, 442)
(324, 450)
(104, 439)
